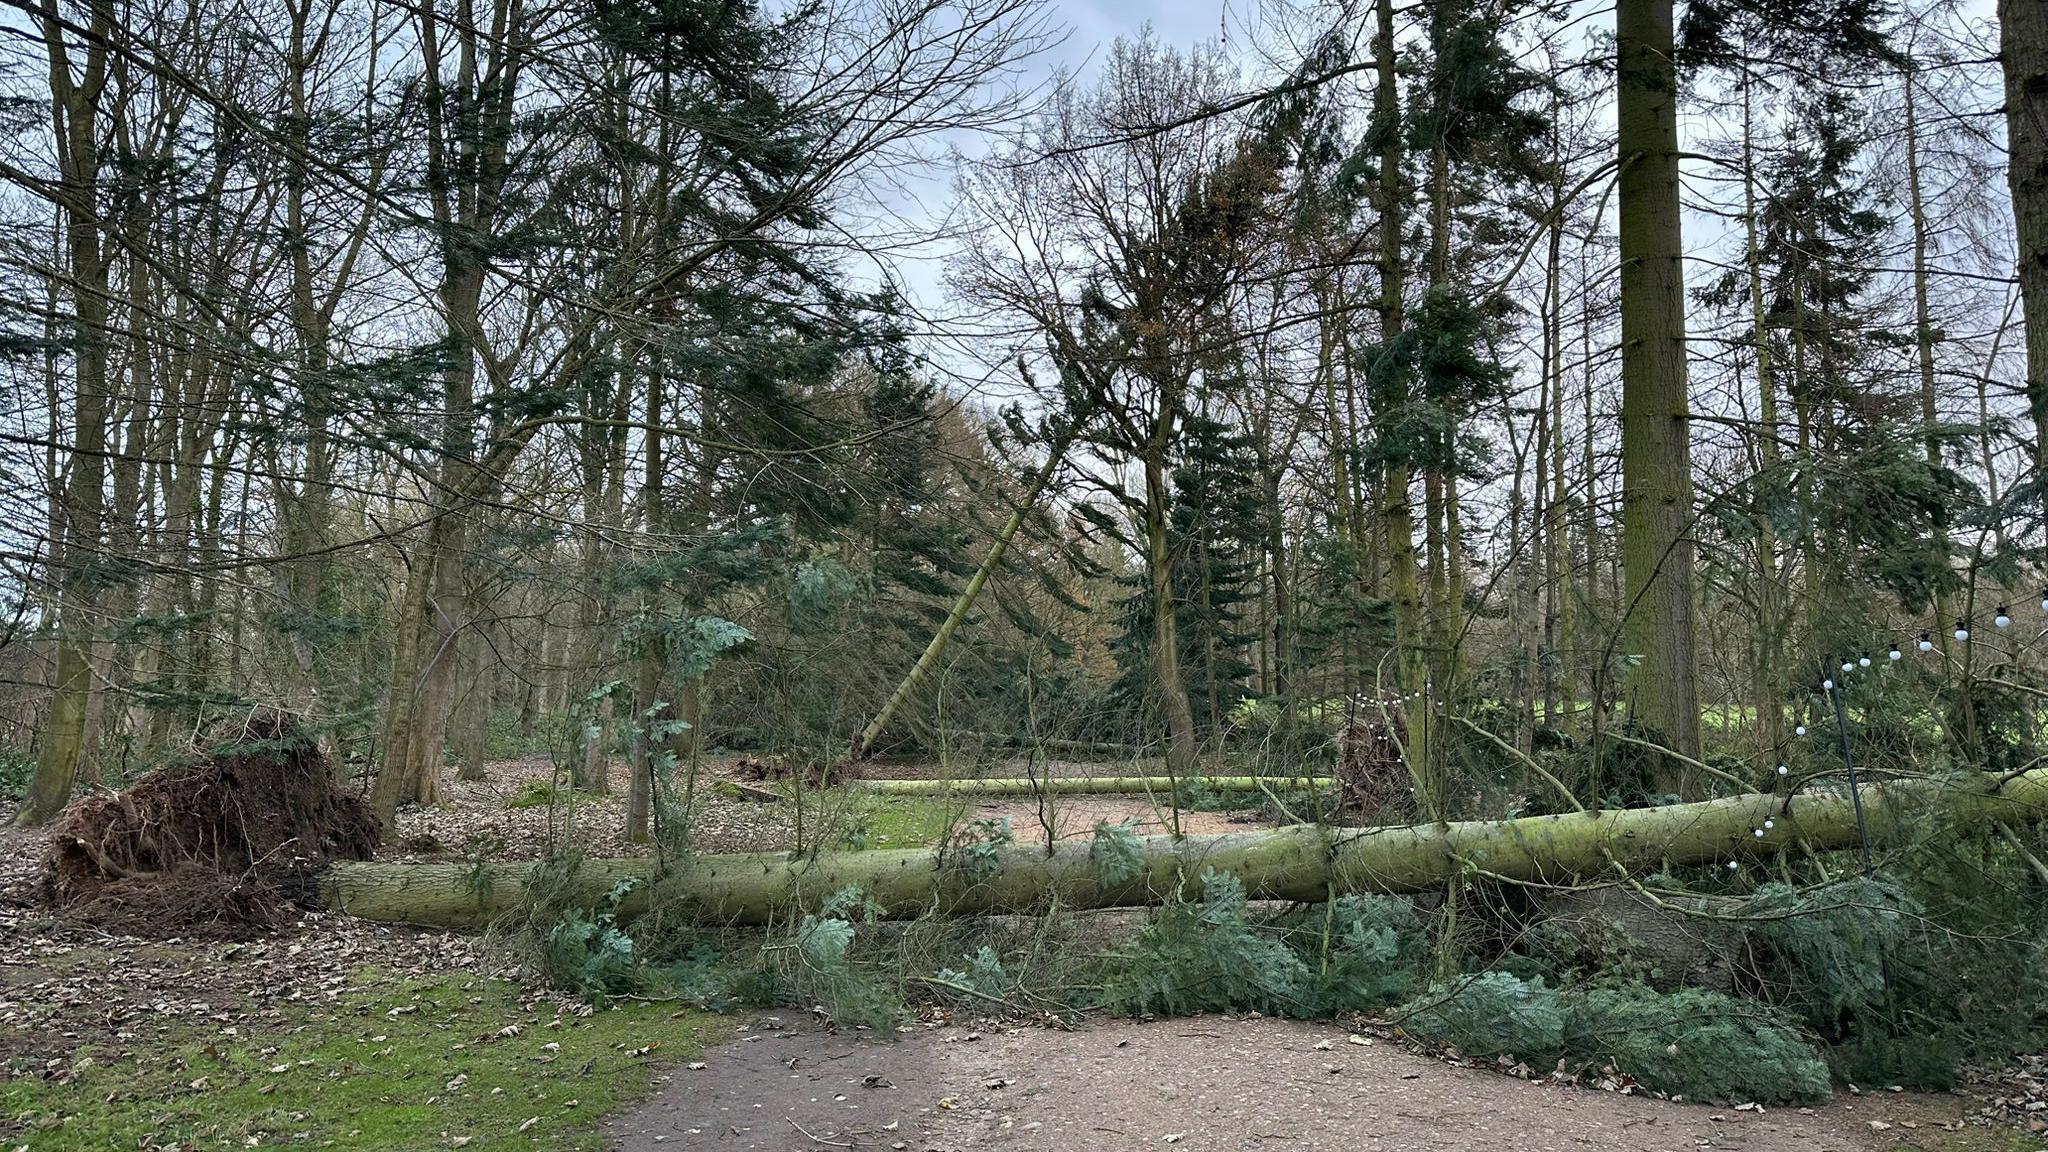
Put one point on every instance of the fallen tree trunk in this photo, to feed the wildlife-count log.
(929, 658)
(1303, 862)
(1074, 785)
(1098, 748)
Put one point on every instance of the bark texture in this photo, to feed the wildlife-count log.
(2023, 47)
(1656, 500)
(1303, 862)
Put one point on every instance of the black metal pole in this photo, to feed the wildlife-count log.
(1827, 676)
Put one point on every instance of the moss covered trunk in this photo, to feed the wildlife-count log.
(1304, 862)
(1656, 452)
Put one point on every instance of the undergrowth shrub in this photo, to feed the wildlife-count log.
(1566, 951)
(1363, 952)
(1828, 949)
(984, 974)
(16, 769)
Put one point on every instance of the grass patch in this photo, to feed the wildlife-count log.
(901, 822)
(459, 1061)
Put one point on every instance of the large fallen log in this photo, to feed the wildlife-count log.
(1303, 862)
(1075, 785)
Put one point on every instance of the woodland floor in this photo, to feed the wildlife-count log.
(318, 1034)
(495, 811)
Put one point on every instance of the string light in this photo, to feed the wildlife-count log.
(1926, 642)
(1863, 660)
(1799, 729)
(2001, 620)
(1784, 771)
(1895, 653)
(1828, 685)
(1962, 630)
(1732, 865)
(1757, 832)
(1770, 824)
(1848, 667)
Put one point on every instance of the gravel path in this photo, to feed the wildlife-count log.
(1207, 1084)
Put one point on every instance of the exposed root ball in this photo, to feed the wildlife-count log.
(812, 774)
(1372, 782)
(224, 844)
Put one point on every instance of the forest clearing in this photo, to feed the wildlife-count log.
(1042, 574)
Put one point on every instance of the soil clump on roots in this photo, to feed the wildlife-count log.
(228, 844)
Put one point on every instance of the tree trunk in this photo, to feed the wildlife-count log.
(1657, 545)
(1308, 863)
(2023, 47)
(1397, 514)
(1768, 676)
(75, 112)
(1173, 694)
(648, 708)
(1072, 785)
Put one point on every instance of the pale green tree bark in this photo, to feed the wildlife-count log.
(1304, 862)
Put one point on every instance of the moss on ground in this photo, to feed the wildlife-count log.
(455, 1062)
(547, 794)
(903, 822)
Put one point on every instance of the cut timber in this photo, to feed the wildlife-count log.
(1074, 785)
(1304, 862)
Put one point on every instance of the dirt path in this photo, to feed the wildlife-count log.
(1201, 1084)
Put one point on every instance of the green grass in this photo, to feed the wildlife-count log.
(458, 1061)
(901, 822)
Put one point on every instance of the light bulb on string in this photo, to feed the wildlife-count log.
(1769, 824)
(1926, 642)
(1827, 685)
(2001, 620)
(1962, 630)
(1732, 866)
(1757, 832)
(1895, 653)
(1784, 771)
(1848, 667)
(1863, 661)
(1799, 729)
(2044, 599)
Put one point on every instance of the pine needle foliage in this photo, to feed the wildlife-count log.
(1830, 948)
(1355, 954)
(828, 973)
(1696, 1043)
(1690, 1042)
